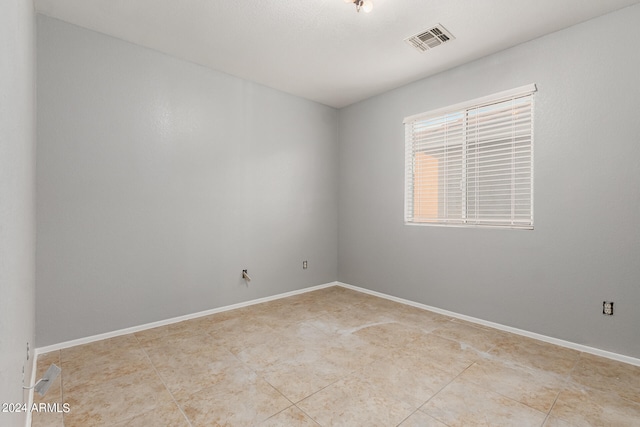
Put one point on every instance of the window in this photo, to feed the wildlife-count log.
(471, 164)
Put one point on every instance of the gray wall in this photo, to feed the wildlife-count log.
(158, 181)
(586, 244)
(17, 200)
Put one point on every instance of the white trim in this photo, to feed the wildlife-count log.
(506, 94)
(562, 343)
(484, 145)
(32, 380)
(119, 332)
(460, 225)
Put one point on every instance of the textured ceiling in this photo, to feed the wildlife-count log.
(322, 49)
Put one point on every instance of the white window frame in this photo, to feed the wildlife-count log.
(478, 218)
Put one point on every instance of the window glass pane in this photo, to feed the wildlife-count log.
(472, 166)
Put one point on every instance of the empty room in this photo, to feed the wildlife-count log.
(320, 213)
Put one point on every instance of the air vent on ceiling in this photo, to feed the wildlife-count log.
(429, 39)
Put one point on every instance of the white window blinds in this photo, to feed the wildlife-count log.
(472, 163)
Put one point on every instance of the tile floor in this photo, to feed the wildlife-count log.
(335, 357)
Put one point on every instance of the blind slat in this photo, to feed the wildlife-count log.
(472, 165)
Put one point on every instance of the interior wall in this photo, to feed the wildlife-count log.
(17, 201)
(586, 243)
(159, 181)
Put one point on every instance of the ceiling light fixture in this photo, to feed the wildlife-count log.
(365, 5)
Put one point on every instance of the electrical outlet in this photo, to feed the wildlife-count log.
(607, 308)
(304, 265)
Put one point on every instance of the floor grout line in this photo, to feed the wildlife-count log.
(379, 350)
(144, 350)
(567, 380)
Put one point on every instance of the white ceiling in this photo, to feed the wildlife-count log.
(322, 49)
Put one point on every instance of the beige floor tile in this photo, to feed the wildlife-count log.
(533, 387)
(45, 360)
(247, 343)
(180, 344)
(197, 326)
(608, 375)
(420, 419)
(294, 309)
(536, 354)
(168, 415)
(353, 402)
(375, 304)
(186, 373)
(588, 407)
(405, 380)
(342, 298)
(47, 419)
(158, 333)
(345, 358)
(111, 346)
(276, 349)
(557, 422)
(116, 400)
(263, 308)
(290, 417)
(350, 352)
(480, 339)
(390, 335)
(299, 377)
(54, 393)
(434, 352)
(84, 368)
(418, 318)
(464, 404)
(259, 314)
(348, 322)
(239, 333)
(303, 332)
(244, 399)
(414, 317)
(212, 322)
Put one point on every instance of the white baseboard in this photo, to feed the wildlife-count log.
(551, 340)
(31, 382)
(119, 332)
